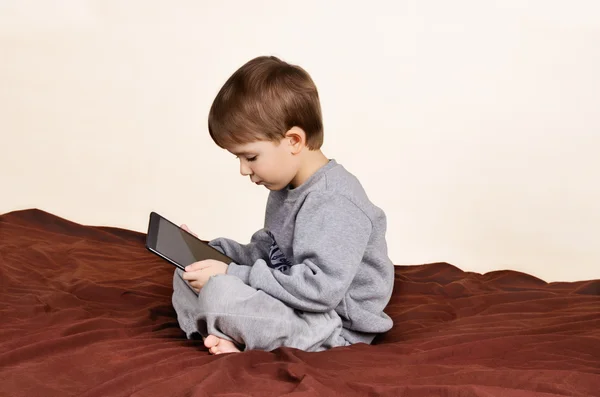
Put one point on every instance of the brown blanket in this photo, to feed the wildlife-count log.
(86, 311)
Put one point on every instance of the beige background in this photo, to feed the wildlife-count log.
(474, 124)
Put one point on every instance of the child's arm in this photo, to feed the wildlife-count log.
(330, 239)
(245, 254)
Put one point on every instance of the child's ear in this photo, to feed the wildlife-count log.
(296, 138)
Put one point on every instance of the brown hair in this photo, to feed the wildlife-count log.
(262, 100)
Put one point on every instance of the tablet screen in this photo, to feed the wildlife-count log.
(177, 245)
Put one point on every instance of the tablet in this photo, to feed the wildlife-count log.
(177, 246)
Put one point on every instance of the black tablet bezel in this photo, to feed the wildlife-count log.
(152, 235)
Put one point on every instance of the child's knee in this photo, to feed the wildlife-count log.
(218, 293)
(222, 283)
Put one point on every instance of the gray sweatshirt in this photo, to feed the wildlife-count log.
(322, 248)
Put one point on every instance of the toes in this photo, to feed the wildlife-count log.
(228, 347)
(217, 345)
(211, 341)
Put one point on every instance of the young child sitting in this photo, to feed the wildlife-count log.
(317, 275)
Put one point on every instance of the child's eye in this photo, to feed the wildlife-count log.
(251, 158)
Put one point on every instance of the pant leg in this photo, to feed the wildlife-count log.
(230, 309)
(185, 302)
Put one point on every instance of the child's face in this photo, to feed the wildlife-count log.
(271, 164)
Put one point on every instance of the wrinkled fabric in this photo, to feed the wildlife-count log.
(86, 311)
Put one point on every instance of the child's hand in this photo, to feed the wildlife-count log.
(184, 227)
(187, 229)
(198, 273)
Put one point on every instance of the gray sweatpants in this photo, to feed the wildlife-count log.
(232, 310)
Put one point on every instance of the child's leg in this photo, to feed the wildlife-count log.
(229, 309)
(185, 302)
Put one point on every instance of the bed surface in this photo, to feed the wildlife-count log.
(86, 311)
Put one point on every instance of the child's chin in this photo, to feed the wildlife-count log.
(273, 187)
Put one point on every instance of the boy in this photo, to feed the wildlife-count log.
(317, 275)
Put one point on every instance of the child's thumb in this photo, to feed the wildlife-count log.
(187, 229)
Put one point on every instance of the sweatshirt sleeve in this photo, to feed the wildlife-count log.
(330, 238)
(244, 255)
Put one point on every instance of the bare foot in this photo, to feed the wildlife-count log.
(217, 345)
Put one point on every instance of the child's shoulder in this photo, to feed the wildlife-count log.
(340, 185)
(339, 181)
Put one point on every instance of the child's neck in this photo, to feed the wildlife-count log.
(312, 161)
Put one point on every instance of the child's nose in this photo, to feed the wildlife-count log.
(244, 169)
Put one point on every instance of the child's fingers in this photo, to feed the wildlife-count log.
(187, 229)
(188, 276)
(192, 275)
(196, 284)
(197, 266)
